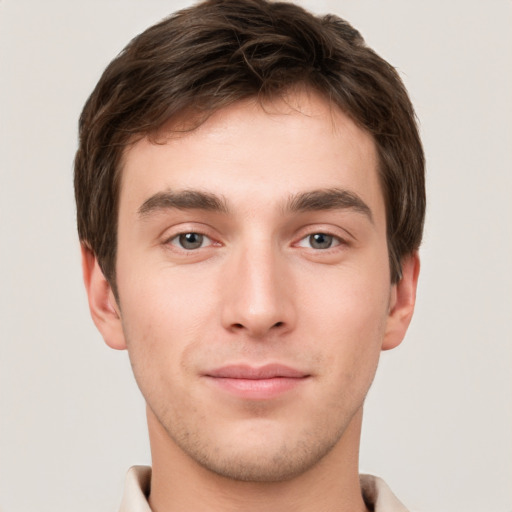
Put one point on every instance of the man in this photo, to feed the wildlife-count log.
(250, 201)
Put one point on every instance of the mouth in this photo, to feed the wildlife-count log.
(257, 383)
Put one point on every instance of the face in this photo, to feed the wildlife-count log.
(253, 279)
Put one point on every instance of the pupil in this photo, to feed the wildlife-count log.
(191, 240)
(320, 241)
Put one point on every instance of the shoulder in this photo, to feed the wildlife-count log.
(378, 496)
(136, 490)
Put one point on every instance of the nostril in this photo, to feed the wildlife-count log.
(256, 329)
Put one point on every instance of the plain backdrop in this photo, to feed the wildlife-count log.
(439, 416)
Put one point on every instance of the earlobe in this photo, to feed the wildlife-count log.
(402, 302)
(103, 306)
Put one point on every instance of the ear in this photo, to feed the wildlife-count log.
(105, 312)
(402, 301)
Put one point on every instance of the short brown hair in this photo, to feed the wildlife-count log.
(221, 51)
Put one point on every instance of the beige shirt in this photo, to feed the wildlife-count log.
(375, 492)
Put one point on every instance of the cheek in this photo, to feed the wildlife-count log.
(162, 322)
(349, 319)
(348, 300)
(165, 300)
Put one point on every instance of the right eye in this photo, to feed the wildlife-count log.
(190, 241)
(320, 241)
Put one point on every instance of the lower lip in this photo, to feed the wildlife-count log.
(258, 389)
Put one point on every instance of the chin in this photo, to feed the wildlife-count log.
(266, 459)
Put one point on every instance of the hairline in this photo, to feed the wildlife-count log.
(196, 118)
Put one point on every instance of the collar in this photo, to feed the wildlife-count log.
(136, 490)
(377, 495)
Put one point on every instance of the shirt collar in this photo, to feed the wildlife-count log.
(136, 490)
(377, 495)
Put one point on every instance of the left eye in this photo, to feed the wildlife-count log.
(319, 241)
(190, 241)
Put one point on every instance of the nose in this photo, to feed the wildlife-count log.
(258, 293)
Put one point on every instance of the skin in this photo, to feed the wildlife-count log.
(258, 290)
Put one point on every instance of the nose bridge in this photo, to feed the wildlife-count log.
(257, 297)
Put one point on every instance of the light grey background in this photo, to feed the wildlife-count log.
(439, 417)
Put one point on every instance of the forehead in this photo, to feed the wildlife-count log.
(288, 145)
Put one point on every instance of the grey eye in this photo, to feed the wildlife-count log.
(191, 241)
(320, 241)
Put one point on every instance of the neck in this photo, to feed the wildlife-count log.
(179, 483)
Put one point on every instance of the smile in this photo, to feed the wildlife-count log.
(256, 383)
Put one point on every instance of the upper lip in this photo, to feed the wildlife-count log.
(268, 371)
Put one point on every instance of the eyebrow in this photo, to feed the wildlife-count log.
(328, 199)
(314, 200)
(183, 200)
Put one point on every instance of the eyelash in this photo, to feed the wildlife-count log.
(179, 240)
(332, 240)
